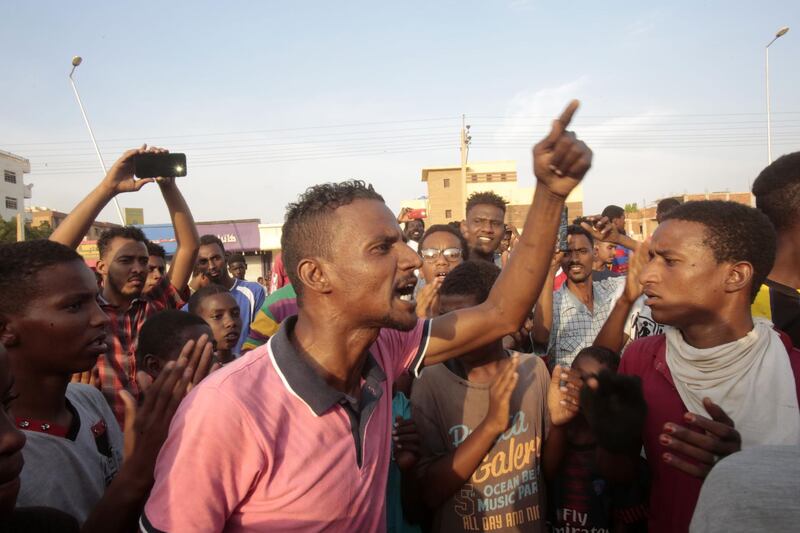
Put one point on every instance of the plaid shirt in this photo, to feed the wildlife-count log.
(117, 367)
(574, 326)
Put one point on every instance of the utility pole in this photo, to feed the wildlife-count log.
(20, 227)
(465, 140)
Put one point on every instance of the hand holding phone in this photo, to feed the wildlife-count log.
(157, 164)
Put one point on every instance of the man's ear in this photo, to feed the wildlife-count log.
(463, 227)
(8, 333)
(312, 274)
(152, 365)
(739, 277)
(102, 267)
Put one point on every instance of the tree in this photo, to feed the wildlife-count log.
(8, 231)
(631, 208)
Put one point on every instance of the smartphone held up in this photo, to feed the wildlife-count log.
(155, 165)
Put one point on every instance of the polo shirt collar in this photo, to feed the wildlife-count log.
(304, 382)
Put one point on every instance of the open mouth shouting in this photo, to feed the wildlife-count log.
(404, 290)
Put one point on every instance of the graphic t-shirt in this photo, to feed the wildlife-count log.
(506, 491)
(581, 500)
(641, 323)
(621, 257)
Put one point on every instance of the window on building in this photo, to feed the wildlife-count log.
(502, 177)
(446, 183)
(11, 177)
(448, 213)
(11, 203)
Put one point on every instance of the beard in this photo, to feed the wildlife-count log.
(118, 286)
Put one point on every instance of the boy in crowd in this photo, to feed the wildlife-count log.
(123, 265)
(569, 319)
(777, 192)
(156, 267)
(237, 266)
(717, 364)
(616, 216)
(463, 409)
(442, 249)
(326, 377)
(168, 336)
(483, 227)
(219, 309)
(603, 261)
(12, 441)
(212, 262)
(52, 326)
(665, 206)
(413, 228)
(581, 495)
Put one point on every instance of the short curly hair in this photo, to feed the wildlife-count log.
(734, 232)
(575, 229)
(156, 250)
(447, 228)
(307, 231)
(777, 191)
(471, 278)
(124, 232)
(165, 333)
(486, 198)
(604, 356)
(20, 263)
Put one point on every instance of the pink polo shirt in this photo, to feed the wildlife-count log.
(266, 445)
(673, 494)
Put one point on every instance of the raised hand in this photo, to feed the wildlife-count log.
(405, 438)
(120, 177)
(497, 419)
(146, 427)
(199, 357)
(428, 299)
(563, 395)
(403, 216)
(637, 262)
(560, 160)
(601, 228)
(705, 443)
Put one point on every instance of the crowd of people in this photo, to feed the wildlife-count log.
(461, 377)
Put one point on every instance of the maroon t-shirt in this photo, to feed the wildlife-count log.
(673, 493)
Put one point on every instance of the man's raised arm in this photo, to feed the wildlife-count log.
(118, 180)
(560, 161)
(185, 234)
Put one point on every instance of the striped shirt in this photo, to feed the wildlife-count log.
(278, 306)
(250, 297)
(781, 305)
(117, 367)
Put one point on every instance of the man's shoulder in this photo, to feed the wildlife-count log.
(243, 376)
(641, 354)
(252, 286)
(86, 396)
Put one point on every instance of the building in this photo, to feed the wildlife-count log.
(641, 224)
(237, 236)
(449, 188)
(43, 216)
(12, 188)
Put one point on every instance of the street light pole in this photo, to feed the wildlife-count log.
(75, 62)
(781, 32)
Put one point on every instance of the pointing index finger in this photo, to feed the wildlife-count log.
(566, 116)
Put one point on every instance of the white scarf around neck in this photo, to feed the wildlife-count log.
(751, 379)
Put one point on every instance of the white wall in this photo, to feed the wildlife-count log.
(19, 166)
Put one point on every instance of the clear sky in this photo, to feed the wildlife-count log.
(268, 98)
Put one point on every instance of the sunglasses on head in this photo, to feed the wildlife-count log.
(431, 254)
